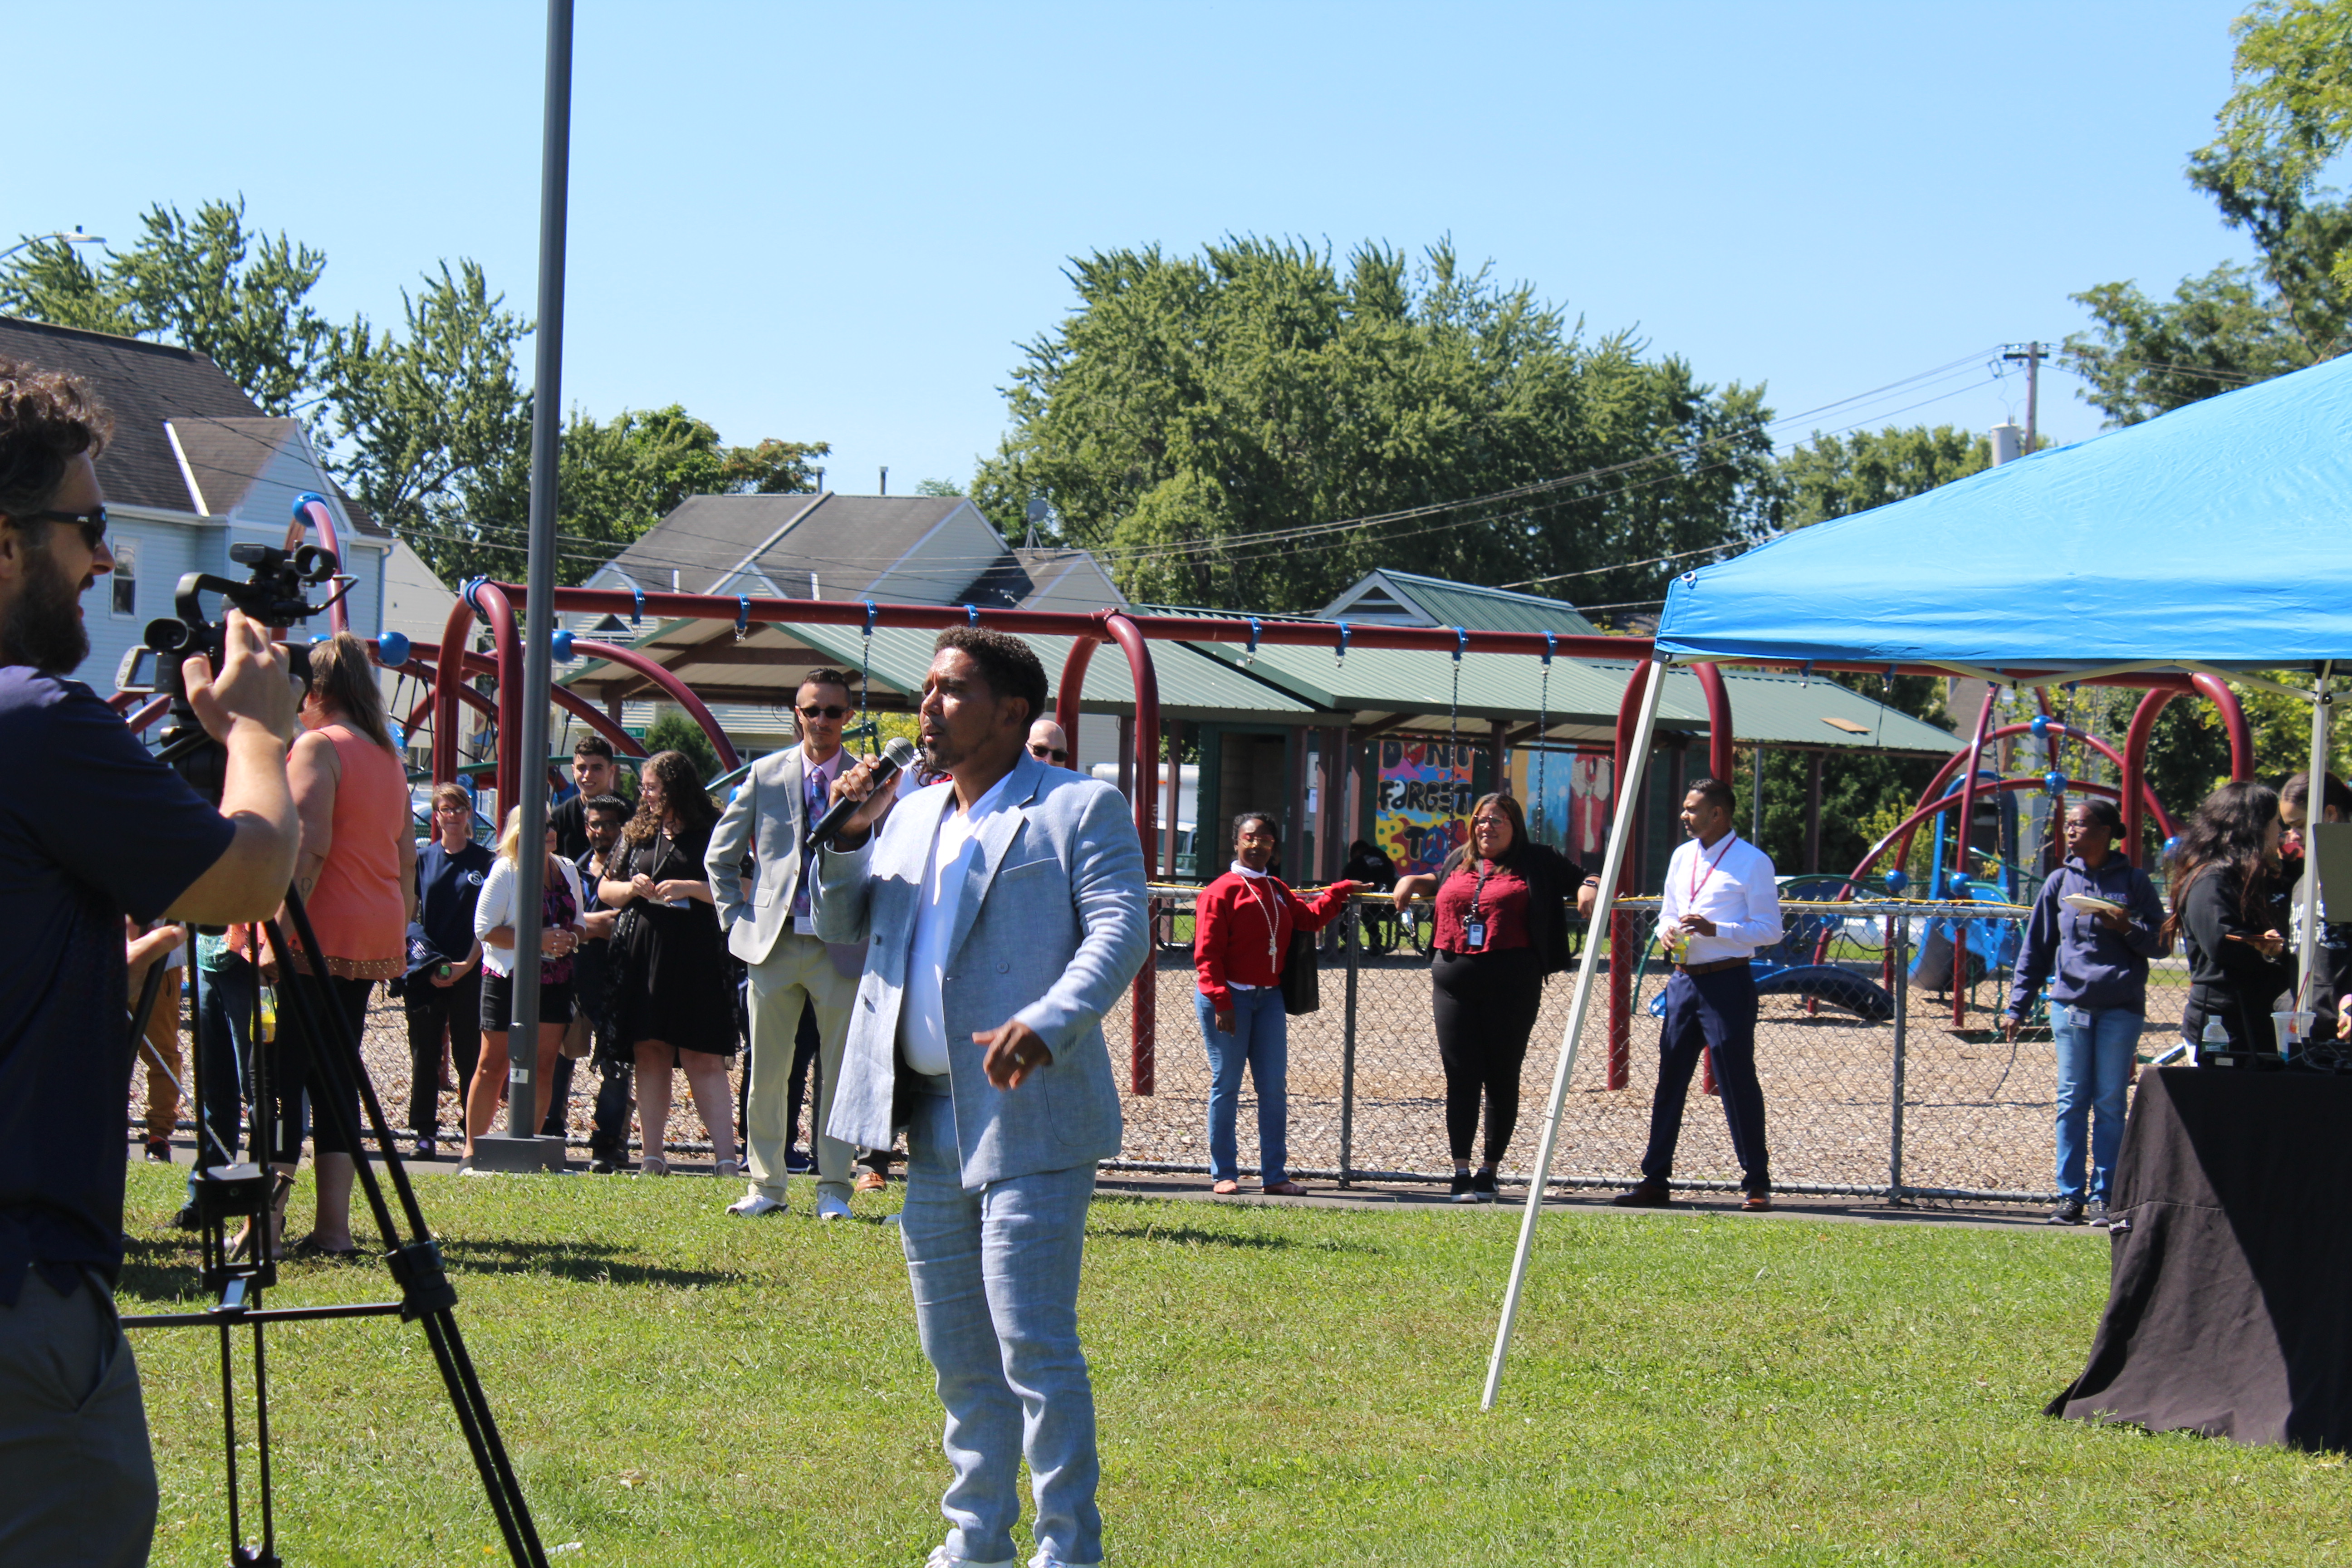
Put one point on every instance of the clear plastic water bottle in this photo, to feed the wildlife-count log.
(2216, 1037)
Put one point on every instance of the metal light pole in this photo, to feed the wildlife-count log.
(521, 1148)
(76, 237)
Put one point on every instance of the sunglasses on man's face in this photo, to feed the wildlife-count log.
(92, 523)
(825, 710)
(1045, 753)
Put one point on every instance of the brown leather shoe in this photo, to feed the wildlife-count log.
(1757, 1203)
(870, 1182)
(1646, 1194)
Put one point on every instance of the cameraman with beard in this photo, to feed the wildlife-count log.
(97, 829)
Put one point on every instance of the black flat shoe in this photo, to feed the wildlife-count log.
(1645, 1195)
(1482, 1185)
(1462, 1193)
(2067, 1213)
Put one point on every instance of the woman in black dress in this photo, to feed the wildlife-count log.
(674, 1004)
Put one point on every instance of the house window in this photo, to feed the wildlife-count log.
(125, 576)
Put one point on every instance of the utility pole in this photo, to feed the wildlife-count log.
(2032, 354)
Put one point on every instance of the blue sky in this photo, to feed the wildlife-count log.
(838, 222)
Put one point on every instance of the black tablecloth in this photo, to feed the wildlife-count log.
(2230, 1309)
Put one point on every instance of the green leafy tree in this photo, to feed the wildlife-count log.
(204, 283)
(674, 731)
(1837, 475)
(939, 487)
(616, 480)
(426, 422)
(2290, 113)
(1211, 422)
(432, 420)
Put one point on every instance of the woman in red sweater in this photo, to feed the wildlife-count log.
(1241, 928)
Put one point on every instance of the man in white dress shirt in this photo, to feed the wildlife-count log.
(1720, 904)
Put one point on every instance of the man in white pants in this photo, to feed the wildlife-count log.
(758, 867)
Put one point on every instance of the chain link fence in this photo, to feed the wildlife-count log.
(1875, 1084)
(1871, 1088)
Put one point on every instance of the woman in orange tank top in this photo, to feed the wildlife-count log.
(357, 875)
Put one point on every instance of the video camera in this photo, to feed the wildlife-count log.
(275, 593)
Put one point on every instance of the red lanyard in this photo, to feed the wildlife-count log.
(1700, 882)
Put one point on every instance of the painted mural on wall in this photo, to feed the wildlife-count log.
(1424, 803)
(1575, 788)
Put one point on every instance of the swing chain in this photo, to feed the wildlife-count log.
(1543, 722)
(866, 685)
(1454, 718)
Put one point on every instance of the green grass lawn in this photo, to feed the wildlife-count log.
(1277, 1386)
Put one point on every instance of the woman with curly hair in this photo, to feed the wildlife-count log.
(674, 1003)
(2228, 907)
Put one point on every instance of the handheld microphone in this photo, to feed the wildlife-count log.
(894, 758)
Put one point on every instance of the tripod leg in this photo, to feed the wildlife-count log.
(228, 1432)
(268, 1556)
(417, 1265)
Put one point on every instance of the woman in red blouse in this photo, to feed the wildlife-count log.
(1502, 926)
(1241, 928)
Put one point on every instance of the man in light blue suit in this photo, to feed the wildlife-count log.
(1003, 913)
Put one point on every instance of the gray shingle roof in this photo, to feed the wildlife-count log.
(847, 540)
(146, 386)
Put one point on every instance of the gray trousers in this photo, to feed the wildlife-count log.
(76, 1478)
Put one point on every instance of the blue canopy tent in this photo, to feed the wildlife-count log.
(2213, 538)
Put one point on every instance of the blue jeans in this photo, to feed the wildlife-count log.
(995, 1278)
(2094, 1063)
(1261, 1037)
(225, 1003)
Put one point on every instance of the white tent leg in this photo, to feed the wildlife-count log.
(2315, 810)
(1620, 832)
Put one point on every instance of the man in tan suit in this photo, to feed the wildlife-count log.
(761, 881)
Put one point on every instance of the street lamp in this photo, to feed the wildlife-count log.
(76, 237)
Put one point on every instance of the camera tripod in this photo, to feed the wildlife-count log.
(226, 1193)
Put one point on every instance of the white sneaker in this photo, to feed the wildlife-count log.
(830, 1207)
(753, 1204)
(941, 1557)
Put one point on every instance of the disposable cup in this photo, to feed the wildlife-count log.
(2292, 1027)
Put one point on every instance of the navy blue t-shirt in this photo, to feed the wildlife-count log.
(92, 827)
(447, 887)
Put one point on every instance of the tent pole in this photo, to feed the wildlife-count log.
(2314, 808)
(1620, 832)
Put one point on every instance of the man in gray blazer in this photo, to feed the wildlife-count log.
(1003, 913)
(758, 863)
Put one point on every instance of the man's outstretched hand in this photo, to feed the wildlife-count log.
(1014, 1052)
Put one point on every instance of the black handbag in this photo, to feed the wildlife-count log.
(1302, 983)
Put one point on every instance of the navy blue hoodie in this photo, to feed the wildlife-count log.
(2088, 965)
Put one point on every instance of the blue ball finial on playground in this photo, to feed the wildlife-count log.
(308, 498)
(1896, 880)
(2040, 725)
(559, 645)
(2171, 845)
(1955, 886)
(2055, 782)
(391, 649)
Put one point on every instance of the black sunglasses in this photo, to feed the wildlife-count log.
(92, 523)
(1048, 753)
(825, 710)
